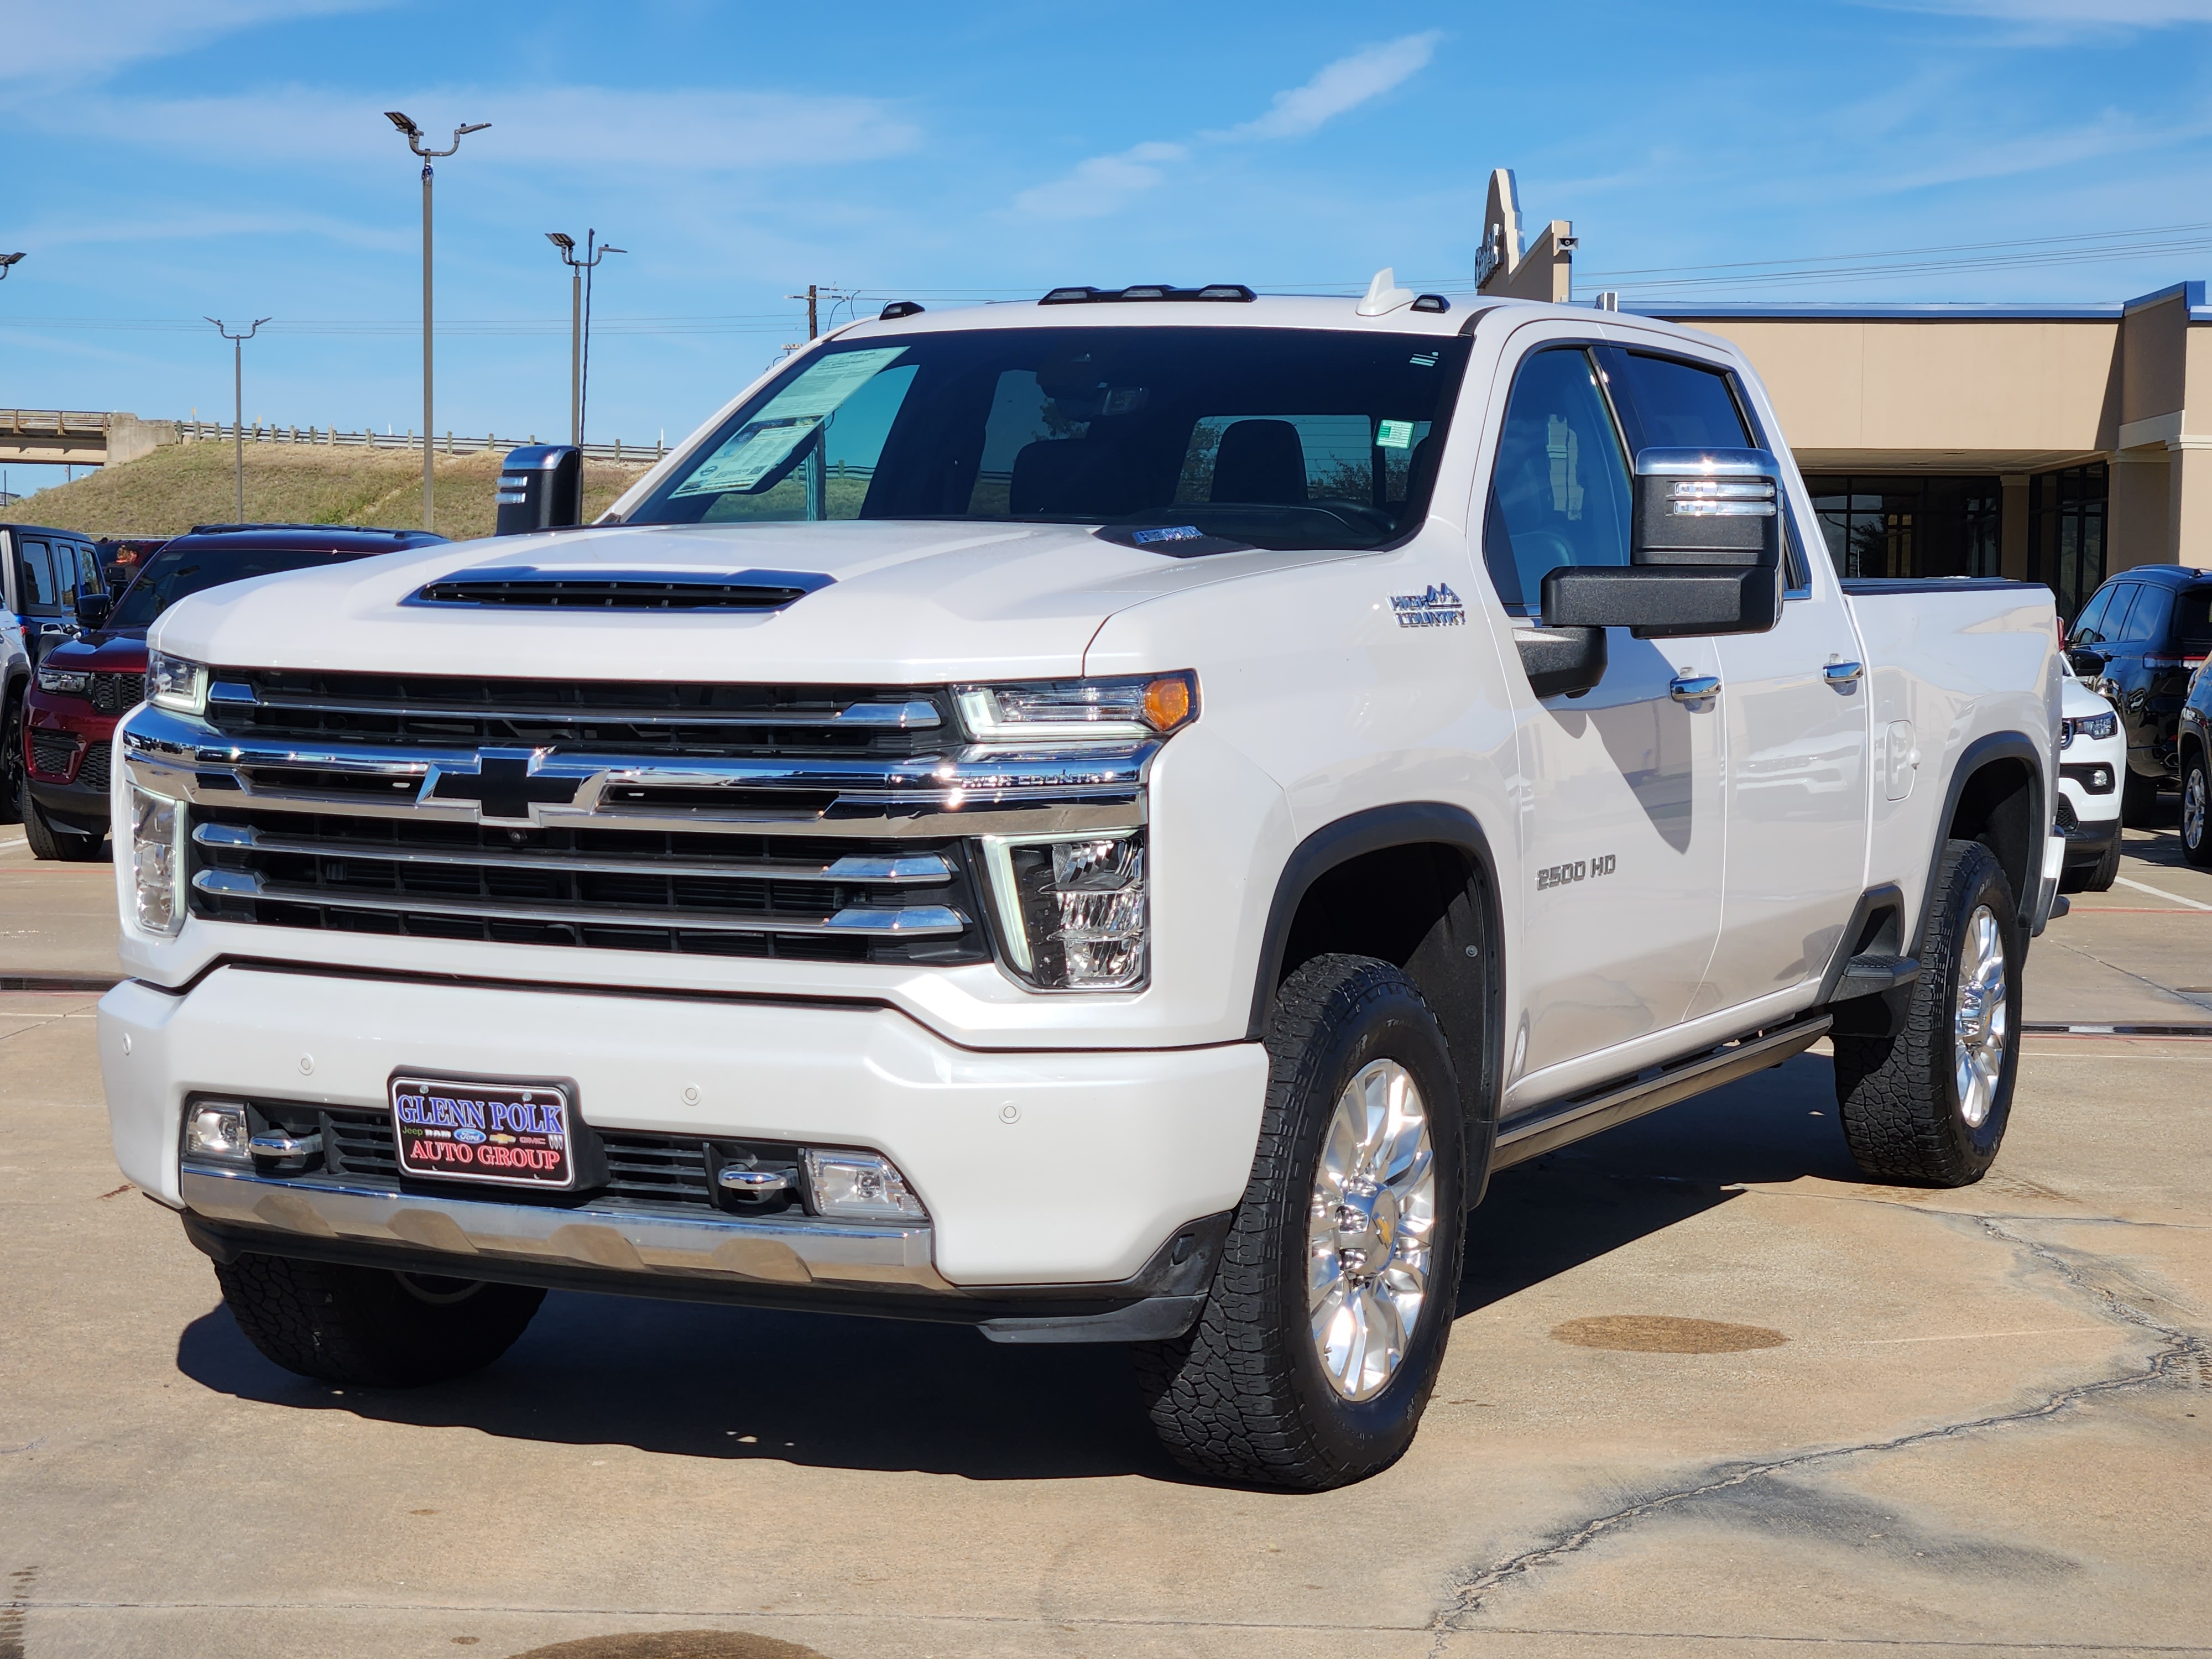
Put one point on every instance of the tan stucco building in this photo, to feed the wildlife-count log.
(2054, 443)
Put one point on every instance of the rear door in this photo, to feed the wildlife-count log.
(1621, 817)
(1796, 703)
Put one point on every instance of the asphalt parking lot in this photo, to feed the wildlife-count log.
(1709, 1392)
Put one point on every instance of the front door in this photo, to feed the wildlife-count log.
(1621, 808)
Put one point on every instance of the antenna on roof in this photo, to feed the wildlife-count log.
(1384, 295)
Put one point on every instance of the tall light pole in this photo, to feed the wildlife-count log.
(579, 307)
(237, 399)
(414, 136)
(8, 263)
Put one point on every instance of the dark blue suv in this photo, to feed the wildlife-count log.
(2137, 641)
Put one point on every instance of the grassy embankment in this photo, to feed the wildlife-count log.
(175, 488)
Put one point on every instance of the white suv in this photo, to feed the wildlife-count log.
(2093, 755)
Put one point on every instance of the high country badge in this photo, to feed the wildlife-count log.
(1437, 606)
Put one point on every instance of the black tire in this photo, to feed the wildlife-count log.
(2106, 871)
(11, 758)
(1243, 1397)
(70, 846)
(2196, 787)
(1899, 1095)
(370, 1327)
(2138, 798)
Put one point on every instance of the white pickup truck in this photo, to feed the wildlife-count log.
(1105, 820)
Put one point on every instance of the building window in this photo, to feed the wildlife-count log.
(2066, 513)
(1910, 525)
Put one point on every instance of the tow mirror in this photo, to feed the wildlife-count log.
(541, 487)
(1705, 553)
(93, 609)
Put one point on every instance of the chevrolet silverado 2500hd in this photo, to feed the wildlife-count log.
(1106, 820)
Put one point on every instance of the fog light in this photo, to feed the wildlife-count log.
(1072, 909)
(859, 1187)
(216, 1132)
(156, 860)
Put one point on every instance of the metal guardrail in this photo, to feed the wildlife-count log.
(53, 423)
(65, 423)
(453, 443)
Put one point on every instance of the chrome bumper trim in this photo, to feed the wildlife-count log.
(736, 1250)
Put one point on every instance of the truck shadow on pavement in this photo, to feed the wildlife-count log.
(698, 1381)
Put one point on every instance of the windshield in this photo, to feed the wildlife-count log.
(176, 572)
(1278, 438)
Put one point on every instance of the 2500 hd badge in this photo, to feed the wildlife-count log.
(1561, 875)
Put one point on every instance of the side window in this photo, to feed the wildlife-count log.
(89, 577)
(1558, 491)
(2148, 621)
(2089, 623)
(2120, 613)
(1669, 403)
(38, 588)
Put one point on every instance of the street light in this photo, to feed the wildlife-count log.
(414, 136)
(238, 395)
(580, 313)
(7, 262)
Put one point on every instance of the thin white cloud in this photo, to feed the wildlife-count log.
(580, 128)
(87, 40)
(1343, 86)
(2064, 16)
(1100, 185)
(1107, 184)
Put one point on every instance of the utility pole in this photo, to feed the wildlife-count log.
(580, 318)
(414, 136)
(238, 400)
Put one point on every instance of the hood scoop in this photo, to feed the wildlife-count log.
(528, 587)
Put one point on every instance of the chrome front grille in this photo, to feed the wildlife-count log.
(623, 890)
(634, 717)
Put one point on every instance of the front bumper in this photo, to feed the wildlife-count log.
(76, 796)
(1060, 1174)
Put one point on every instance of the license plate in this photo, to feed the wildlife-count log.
(510, 1134)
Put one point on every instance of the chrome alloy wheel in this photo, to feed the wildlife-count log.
(2193, 807)
(1980, 1021)
(1370, 1229)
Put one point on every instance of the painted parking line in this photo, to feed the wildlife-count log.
(2161, 892)
(9, 845)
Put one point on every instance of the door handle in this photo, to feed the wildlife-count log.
(1694, 688)
(1841, 674)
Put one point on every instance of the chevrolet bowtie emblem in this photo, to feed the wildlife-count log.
(506, 785)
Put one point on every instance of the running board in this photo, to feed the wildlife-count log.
(1565, 1121)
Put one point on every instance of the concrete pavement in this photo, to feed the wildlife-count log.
(1709, 1392)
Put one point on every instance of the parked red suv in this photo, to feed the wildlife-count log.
(85, 685)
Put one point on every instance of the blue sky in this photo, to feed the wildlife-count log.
(229, 157)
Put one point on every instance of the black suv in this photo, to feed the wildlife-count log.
(2136, 641)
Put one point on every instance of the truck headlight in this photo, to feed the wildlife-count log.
(1122, 710)
(70, 682)
(157, 860)
(175, 682)
(1072, 908)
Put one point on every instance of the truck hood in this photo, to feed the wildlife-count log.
(905, 602)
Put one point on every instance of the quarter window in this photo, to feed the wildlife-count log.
(1558, 493)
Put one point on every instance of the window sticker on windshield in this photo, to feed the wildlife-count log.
(762, 444)
(1394, 434)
